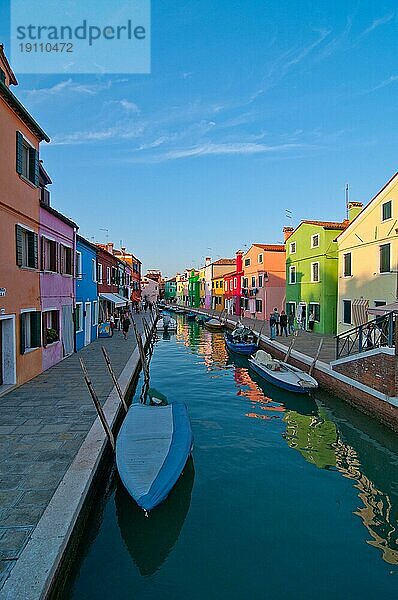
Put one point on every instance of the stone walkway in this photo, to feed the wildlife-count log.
(42, 426)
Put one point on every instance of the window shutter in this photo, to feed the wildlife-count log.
(33, 259)
(44, 329)
(35, 323)
(19, 244)
(19, 152)
(34, 166)
(2, 76)
(42, 253)
(22, 332)
(62, 258)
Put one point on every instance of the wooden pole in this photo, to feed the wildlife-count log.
(97, 405)
(114, 378)
(316, 357)
(289, 351)
(141, 351)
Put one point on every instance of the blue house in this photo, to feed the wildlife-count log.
(87, 276)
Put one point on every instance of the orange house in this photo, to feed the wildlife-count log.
(20, 316)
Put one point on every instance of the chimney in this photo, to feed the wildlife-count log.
(207, 261)
(123, 249)
(239, 261)
(287, 232)
(354, 208)
(109, 247)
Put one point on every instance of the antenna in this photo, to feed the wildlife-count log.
(347, 197)
(288, 214)
(107, 233)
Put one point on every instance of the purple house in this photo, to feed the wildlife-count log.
(57, 236)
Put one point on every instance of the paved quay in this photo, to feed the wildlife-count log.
(42, 426)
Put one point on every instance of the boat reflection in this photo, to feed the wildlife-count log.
(149, 540)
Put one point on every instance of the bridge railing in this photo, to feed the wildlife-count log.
(376, 333)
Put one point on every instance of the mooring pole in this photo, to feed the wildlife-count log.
(114, 378)
(141, 350)
(316, 357)
(289, 351)
(97, 405)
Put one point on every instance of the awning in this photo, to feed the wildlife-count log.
(383, 310)
(115, 298)
(360, 311)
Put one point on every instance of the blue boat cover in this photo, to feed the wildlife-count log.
(152, 449)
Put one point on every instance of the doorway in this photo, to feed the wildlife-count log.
(87, 324)
(8, 372)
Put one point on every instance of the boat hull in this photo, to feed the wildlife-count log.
(152, 449)
(278, 382)
(241, 347)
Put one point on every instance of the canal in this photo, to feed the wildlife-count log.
(286, 496)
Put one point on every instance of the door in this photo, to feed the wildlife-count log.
(87, 324)
(1, 352)
(67, 332)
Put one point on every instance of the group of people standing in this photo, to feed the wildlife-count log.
(122, 322)
(281, 323)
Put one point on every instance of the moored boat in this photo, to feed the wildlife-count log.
(191, 316)
(202, 319)
(166, 323)
(152, 449)
(241, 340)
(282, 374)
(213, 325)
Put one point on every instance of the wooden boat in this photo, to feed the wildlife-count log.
(152, 449)
(242, 340)
(166, 323)
(282, 374)
(202, 319)
(191, 316)
(213, 325)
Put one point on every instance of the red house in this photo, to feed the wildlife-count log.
(108, 280)
(233, 287)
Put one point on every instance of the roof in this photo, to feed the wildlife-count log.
(83, 240)
(230, 274)
(59, 215)
(45, 177)
(271, 247)
(225, 261)
(21, 111)
(328, 224)
(10, 73)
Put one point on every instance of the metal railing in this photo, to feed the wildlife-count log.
(374, 334)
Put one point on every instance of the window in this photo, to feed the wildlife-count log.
(347, 272)
(315, 272)
(216, 284)
(66, 260)
(315, 240)
(27, 160)
(99, 272)
(95, 313)
(79, 269)
(260, 281)
(292, 274)
(347, 312)
(245, 282)
(108, 275)
(93, 270)
(386, 210)
(247, 262)
(79, 317)
(30, 330)
(50, 327)
(292, 247)
(27, 248)
(259, 306)
(260, 258)
(114, 275)
(235, 282)
(221, 284)
(49, 255)
(253, 282)
(291, 308)
(314, 307)
(385, 258)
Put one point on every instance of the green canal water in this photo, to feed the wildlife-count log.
(285, 497)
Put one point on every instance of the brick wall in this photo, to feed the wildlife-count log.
(376, 371)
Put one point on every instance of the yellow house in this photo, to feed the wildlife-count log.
(180, 281)
(217, 293)
(202, 285)
(367, 255)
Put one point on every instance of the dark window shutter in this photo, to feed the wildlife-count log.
(19, 152)
(35, 323)
(44, 329)
(42, 253)
(34, 166)
(2, 76)
(23, 327)
(33, 259)
(62, 258)
(19, 244)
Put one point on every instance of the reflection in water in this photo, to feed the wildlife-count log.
(149, 540)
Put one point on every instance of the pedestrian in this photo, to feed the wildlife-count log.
(311, 321)
(111, 325)
(145, 306)
(277, 317)
(283, 323)
(126, 325)
(272, 325)
(290, 322)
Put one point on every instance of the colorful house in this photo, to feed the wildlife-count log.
(217, 300)
(20, 307)
(57, 236)
(149, 290)
(193, 288)
(263, 285)
(133, 271)
(179, 288)
(86, 306)
(233, 287)
(311, 273)
(215, 270)
(367, 258)
(170, 290)
(202, 286)
(107, 277)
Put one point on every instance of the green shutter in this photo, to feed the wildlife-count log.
(34, 166)
(19, 152)
(35, 325)
(22, 332)
(33, 258)
(19, 244)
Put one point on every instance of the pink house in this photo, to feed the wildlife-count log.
(57, 249)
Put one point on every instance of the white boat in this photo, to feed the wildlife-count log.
(166, 323)
(282, 374)
(213, 325)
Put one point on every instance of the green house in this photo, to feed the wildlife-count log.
(170, 289)
(311, 274)
(193, 289)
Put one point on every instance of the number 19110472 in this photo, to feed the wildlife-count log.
(48, 47)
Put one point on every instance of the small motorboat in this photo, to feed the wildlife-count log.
(191, 316)
(202, 319)
(166, 323)
(242, 340)
(213, 325)
(282, 374)
(152, 448)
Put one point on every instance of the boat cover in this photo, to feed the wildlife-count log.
(152, 448)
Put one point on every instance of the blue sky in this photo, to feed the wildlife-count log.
(251, 108)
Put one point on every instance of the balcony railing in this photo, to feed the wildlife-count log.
(375, 334)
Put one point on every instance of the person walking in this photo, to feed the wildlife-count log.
(311, 321)
(277, 318)
(111, 325)
(290, 322)
(272, 325)
(283, 323)
(125, 325)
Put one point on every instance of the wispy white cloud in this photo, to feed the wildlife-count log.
(385, 83)
(126, 105)
(67, 86)
(377, 23)
(120, 131)
(301, 54)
